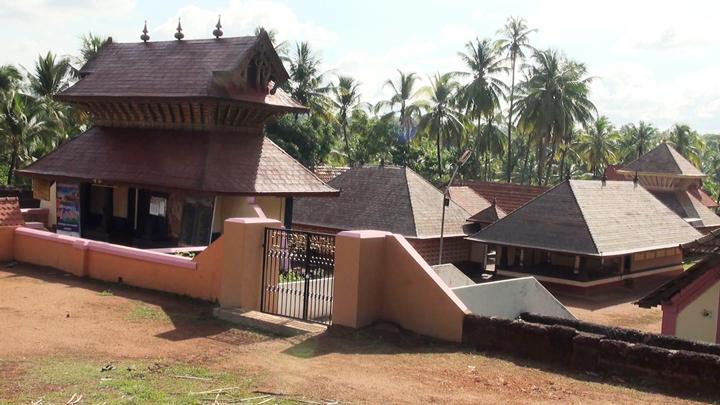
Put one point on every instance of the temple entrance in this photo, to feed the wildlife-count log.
(297, 279)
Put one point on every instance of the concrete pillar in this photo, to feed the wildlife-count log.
(358, 283)
(241, 278)
(576, 268)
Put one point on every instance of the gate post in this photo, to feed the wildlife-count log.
(358, 284)
(241, 278)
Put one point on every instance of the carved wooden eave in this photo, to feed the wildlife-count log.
(208, 113)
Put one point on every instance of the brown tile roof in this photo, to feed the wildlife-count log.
(684, 204)
(663, 159)
(385, 198)
(327, 173)
(488, 215)
(178, 69)
(508, 196)
(585, 217)
(10, 214)
(668, 290)
(471, 201)
(213, 162)
(703, 197)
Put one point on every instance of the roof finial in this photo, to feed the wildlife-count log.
(636, 179)
(218, 29)
(494, 201)
(603, 180)
(179, 35)
(145, 37)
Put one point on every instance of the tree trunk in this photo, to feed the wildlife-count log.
(540, 160)
(551, 159)
(562, 164)
(439, 158)
(512, 101)
(347, 144)
(13, 163)
(525, 163)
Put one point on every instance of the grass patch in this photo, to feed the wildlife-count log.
(106, 293)
(131, 382)
(144, 313)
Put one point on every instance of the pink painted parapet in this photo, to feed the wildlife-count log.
(380, 276)
(198, 277)
(672, 309)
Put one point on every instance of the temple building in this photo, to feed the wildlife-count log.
(585, 233)
(177, 144)
(391, 199)
(675, 182)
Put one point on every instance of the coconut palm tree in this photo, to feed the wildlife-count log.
(50, 76)
(22, 129)
(9, 77)
(554, 98)
(598, 145)
(441, 120)
(345, 97)
(405, 99)
(637, 139)
(687, 142)
(306, 80)
(91, 45)
(514, 42)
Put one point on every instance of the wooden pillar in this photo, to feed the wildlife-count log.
(522, 257)
(576, 268)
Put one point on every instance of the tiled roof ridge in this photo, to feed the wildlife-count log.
(582, 214)
(518, 208)
(410, 201)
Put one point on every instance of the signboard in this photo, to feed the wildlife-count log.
(158, 206)
(68, 209)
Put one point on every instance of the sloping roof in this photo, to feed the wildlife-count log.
(471, 201)
(385, 198)
(488, 215)
(585, 217)
(684, 204)
(703, 197)
(668, 290)
(10, 214)
(663, 159)
(327, 173)
(213, 162)
(508, 196)
(187, 68)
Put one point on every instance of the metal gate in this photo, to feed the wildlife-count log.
(297, 279)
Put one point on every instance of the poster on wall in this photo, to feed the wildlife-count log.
(158, 206)
(68, 209)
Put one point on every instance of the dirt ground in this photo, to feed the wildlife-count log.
(614, 306)
(45, 314)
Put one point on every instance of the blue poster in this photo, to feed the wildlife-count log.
(68, 209)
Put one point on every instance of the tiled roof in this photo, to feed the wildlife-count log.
(471, 201)
(668, 290)
(684, 204)
(10, 214)
(327, 173)
(385, 198)
(663, 159)
(188, 68)
(488, 215)
(508, 196)
(587, 217)
(214, 162)
(703, 197)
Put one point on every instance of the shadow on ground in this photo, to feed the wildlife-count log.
(191, 318)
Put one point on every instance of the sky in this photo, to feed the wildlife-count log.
(657, 61)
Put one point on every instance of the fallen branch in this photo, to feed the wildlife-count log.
(190, 377)
(75, 399)
(215, 391)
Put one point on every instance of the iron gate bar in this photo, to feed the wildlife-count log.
(297, 275)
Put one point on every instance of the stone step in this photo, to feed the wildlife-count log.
(275, 324)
